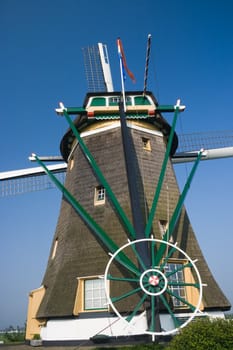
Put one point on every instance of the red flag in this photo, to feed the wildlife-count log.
(123, 60)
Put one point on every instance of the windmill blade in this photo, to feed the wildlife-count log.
(29, 180)
(207, 140)
(216, 144)
(97, 68)
(184, 157)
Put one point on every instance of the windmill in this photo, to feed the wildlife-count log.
(115, 267)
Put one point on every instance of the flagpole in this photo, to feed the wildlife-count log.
(122, 86)
(123, 69)
(122, 76)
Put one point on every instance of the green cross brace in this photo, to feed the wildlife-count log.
(177, 210)
(98, 231)
(127, 225)
(161, 176)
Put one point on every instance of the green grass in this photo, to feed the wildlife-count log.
(154, 346)
(14, 337)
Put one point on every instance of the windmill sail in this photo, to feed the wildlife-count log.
(29, 180)
(97, 68)
(216, 144)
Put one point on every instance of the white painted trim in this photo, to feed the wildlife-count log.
(117, 124)
(114, 125)
(141, 128)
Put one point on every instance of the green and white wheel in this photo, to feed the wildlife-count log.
(155, 295)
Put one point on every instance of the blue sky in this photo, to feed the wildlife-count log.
(41, 64)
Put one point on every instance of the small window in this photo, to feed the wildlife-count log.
(114, 101)
(128, 101)
(99, 195)
(141, 100)
(146, 144)
(98, 101)
(94, 294)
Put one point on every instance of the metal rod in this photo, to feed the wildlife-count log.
(147, 63)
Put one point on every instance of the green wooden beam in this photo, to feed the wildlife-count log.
(169, 108)
(165, 303)
(161, 176)
(108, 243)
(177, 211)
(126, 223)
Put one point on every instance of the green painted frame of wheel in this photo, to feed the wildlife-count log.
(152, 283)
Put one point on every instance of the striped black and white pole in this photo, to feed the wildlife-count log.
(147, 63)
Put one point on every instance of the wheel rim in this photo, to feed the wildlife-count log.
(153, 284)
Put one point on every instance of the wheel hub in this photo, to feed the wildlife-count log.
(153, 282)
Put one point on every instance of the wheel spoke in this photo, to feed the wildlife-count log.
(181, 267)
(152, 324)
(153, 245)
(126, 295)
(167, 257)
(184, 284)
(165, 303)
(122, 279)
(137, 308)
(192, 307)
(155, 325)
(140, 261)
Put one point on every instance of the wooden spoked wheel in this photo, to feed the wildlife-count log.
(154, 289)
